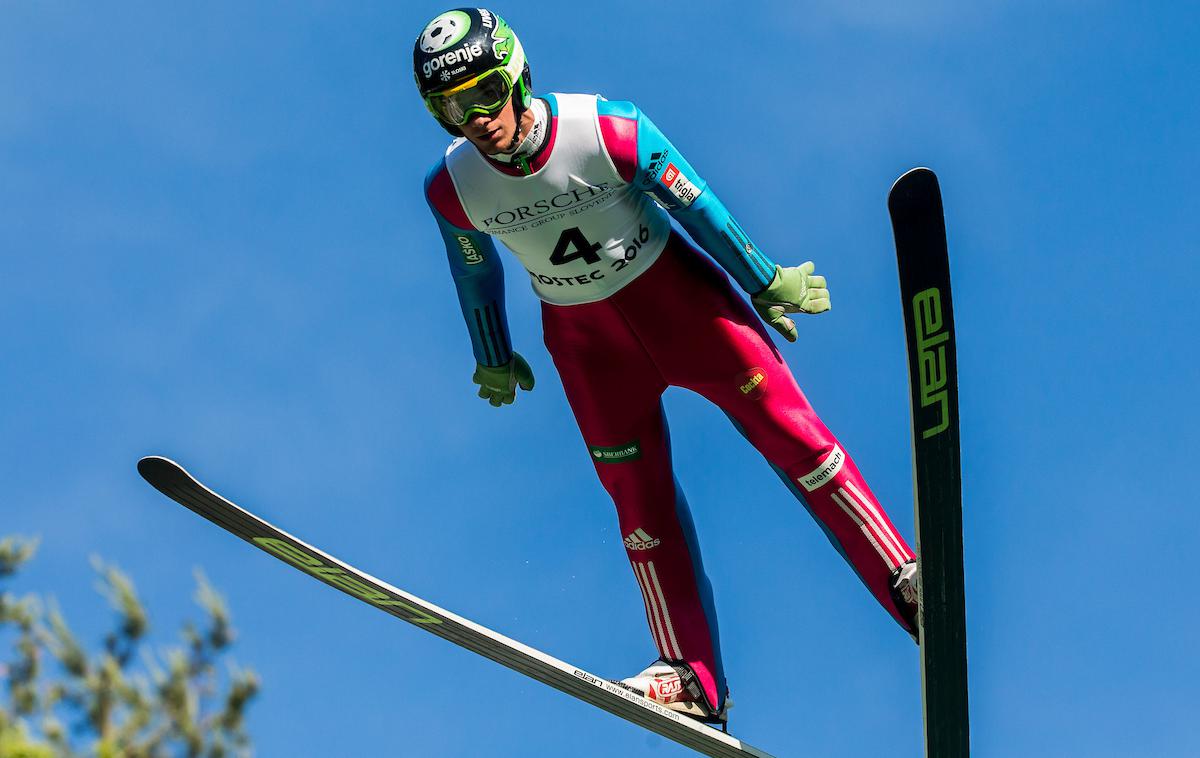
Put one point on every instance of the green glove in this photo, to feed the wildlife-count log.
(793, 290)
(498, 384)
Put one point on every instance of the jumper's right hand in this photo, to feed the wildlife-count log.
(498, 384)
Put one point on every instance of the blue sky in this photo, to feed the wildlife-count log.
(215, 248)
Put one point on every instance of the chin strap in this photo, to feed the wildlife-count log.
(520, 150)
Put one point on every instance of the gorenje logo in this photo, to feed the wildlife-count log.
(464, 54)
(931, 355)
(638, 539)
(824, 473)
(340, 579)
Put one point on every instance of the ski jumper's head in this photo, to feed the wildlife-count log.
(469, 66)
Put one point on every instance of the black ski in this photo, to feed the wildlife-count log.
(173, 481)
(915, 204)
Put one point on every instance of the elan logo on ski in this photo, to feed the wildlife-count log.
(339, 578)
(931, 349)
(173, 481)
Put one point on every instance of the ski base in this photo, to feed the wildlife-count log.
(915, 205)
(173, 481)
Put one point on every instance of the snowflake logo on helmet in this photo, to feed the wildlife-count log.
(444, 31)
(445, 75)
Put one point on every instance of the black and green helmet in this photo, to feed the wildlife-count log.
(469, 61)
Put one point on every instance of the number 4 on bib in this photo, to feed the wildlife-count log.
(573, 238)
(915, 204)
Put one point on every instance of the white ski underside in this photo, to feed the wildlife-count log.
(176, 483)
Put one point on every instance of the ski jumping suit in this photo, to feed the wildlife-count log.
(629, 307)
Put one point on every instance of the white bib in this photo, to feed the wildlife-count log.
(579, 229)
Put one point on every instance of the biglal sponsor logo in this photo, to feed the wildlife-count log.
(752, 383)
(932, 339)
(824, 473)
(464, 54)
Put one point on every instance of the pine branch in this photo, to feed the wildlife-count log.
(133, 623)
(183, 706)
(15, 551)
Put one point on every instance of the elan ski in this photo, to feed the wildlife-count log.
(173, 481)
(915, 204)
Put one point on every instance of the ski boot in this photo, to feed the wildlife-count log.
(906, 595)
(674, 686)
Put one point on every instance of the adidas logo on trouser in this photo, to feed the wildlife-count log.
(638, 539)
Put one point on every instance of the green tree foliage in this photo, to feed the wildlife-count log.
(122, 700)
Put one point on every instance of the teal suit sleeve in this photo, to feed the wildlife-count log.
(666, 175)
(476, 269)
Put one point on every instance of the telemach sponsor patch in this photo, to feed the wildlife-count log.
(824, 473)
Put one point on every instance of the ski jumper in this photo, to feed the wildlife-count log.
(629, 307)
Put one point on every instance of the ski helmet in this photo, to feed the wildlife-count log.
(468, 61)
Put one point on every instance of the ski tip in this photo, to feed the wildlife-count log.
(916, 188)
(156, 469)
(918, 174)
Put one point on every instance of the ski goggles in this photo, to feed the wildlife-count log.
(486, 94)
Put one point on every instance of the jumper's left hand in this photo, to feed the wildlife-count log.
(793, 290)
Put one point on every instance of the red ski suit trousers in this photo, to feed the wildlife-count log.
(681, 323)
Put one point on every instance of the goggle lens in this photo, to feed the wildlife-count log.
(487, 96)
